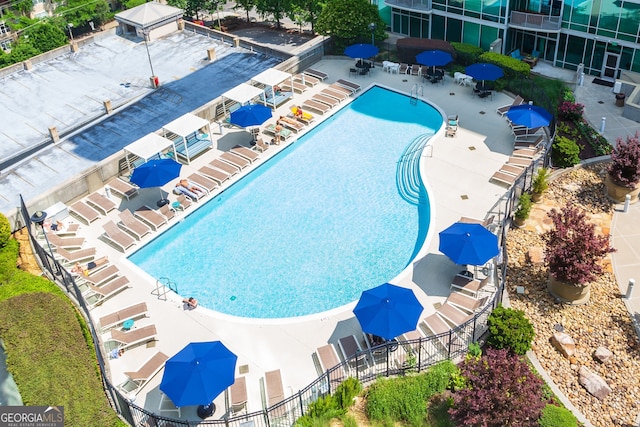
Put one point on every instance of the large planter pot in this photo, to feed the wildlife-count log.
(568, 293)
(536, 197)
(618, 193)
(519, 222)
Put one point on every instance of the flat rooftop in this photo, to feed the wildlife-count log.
(68, 92)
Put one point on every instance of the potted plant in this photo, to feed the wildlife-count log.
(523, 210)
(574, 253)
(624, 172)
(539, 184)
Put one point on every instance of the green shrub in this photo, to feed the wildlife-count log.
(474, 350)
(466, 54)
(346, 391)
(524, 206)
(565, 152)
(320, 412)
(510, 329)
(8, 260)
(556, 416)
(567, 95)
(404, 399)
(5, 230)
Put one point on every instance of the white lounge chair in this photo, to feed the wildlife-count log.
(115, 319)
(122, 188)
(84, 211)
(97, 295)
(238, 395)
(275, 390)
(101, 203)
(132, 338)
(138, 379)
(133, 225)
(245, 152)
(151, 217)
(117, 237)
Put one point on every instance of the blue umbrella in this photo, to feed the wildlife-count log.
(361, 50)
(250, 115)
(484, 72)
(468, 244)
(434, 58)
(155, 173)
(198, 373)
(528, 115)
(388, 311)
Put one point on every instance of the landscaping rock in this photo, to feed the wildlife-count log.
(564, 344)
(593, 383)
(602, 354)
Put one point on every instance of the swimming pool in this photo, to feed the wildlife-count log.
(310, 229)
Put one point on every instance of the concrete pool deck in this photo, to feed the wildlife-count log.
(457, 172)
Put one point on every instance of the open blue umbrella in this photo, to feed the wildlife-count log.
(361, 50)
(484, 72)
(155, 173)
(250, 115)
(434, 58)
(468, 244)
(198, 373)
(388, 311)
(528, 115)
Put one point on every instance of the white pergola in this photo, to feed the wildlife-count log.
(148, 147)
(242, 94)
(271, 78)
(185, 126)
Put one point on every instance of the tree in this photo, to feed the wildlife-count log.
(247, 5)
(275, 8)
(348, 20)
(304, 11)
(80, 12)
(573, 249)
(21, 51)
(45, 37)
(130, 4)
(501, 391)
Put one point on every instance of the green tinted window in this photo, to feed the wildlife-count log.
(471, 33)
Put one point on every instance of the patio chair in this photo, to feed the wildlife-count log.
(327, 100)
(415, 70)
(294, 87)
(340, 95)
(167, 211)
(344, 90)
(275, 390)
(225, 167)
(189, 190)
(526, 143)
(132, 338)
(185, 202)
(517, 101)
(101, 277)
(238, 395)
(354, 87)
(404, 68)
(316, 73)
(327, 358)
(452, 314)
(84, 211)
(261, 146)
(312, 105)
(504, 178)
(519, 161)
(471, 286)
(150, 216)
(235, 160)
(527, 153)
(435, 325)
(138, 379)
(97, 295)
(306, 118)
(245, 152)
(117, 237)
(352, 351)
(466, 302)
(306, 79)
(65, 242)
(166, 405)
(133, 225)
(483, 222)
(202, 181)
(101, 203)
(283, 133)
(122, 188)
(115, 319)
(214, 174)
(291, 123)
(71, 257)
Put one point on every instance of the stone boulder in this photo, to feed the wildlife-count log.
(593, 383)
(564, 344)
(602, 354)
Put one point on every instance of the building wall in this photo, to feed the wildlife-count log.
(591, 33)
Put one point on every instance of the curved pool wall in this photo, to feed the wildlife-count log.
(265, 243)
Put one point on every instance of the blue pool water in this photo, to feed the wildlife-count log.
(313, 227)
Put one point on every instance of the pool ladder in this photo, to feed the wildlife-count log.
(416, 90)
(163, 286)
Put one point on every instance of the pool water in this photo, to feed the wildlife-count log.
(310, 229)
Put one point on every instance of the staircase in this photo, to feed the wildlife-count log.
(408, 179)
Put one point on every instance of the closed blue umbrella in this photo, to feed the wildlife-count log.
(250, 115)
(155, 173)
(388, 311)
(528, 115)
(468, 244)
(198, 373)
(361, 50)
(484, 72)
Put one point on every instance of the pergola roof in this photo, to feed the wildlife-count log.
(242, 93)
(149, 14)
(271, 77)
(186, 124)
(149, 146)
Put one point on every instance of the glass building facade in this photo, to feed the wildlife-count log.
(604, 35)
